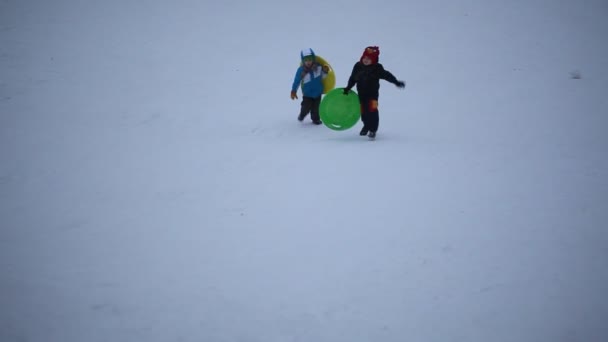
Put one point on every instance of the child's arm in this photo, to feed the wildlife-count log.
(297, 80)
(325, 70)
(386, 75)
(351, 80)
(296, 84)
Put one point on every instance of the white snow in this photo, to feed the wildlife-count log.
(155, 184)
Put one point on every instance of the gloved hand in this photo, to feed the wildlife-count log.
(400, 84)
(294, 95)
(325, 68)
(346, 91)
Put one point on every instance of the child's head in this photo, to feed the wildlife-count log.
(370, 55)
(308, 56)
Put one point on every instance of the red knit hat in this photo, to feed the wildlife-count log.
(372, 52)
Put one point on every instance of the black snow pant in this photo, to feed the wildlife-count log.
(310, 105)
(369, 113)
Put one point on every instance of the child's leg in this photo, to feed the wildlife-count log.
(314, 110)
(373, 116)
(363, 103)
(305, 107)
(369, 114)
(364, 129)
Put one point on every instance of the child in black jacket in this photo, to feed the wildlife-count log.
(367, 74)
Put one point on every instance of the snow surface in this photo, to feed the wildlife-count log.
(155, 184)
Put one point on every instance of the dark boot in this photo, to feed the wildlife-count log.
(364, 131)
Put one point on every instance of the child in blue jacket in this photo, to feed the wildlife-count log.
(310, 74)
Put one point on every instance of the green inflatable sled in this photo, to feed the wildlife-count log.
(338, 111)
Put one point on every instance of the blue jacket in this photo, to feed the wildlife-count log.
(310, 80)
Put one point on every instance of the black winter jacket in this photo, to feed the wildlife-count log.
(367, 78)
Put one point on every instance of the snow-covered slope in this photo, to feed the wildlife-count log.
(156, 186)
